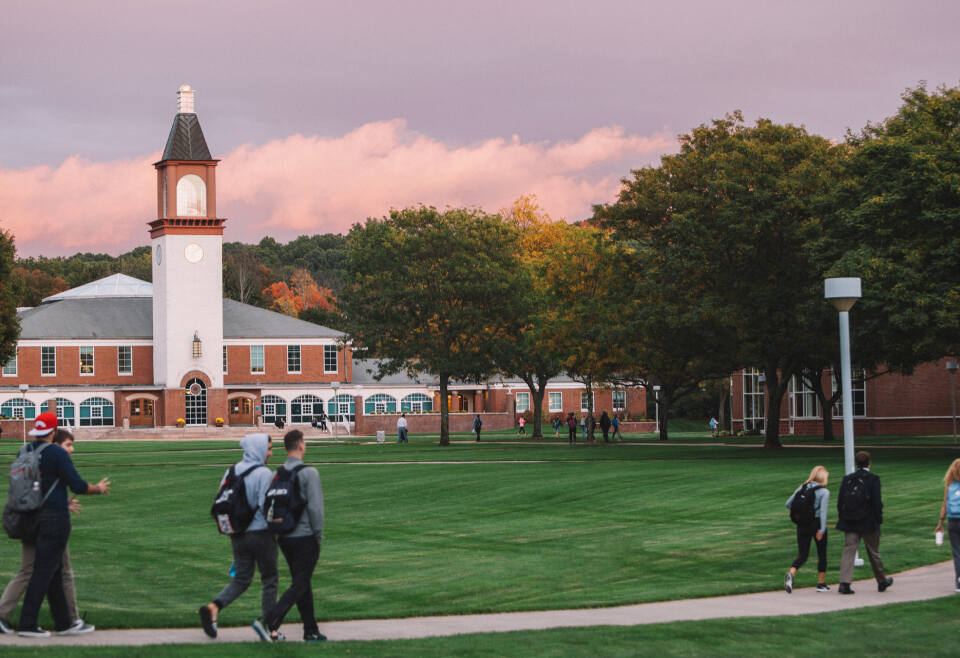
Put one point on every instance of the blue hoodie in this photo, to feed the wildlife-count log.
(255, 454)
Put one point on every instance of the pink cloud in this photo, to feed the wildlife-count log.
(309, 184)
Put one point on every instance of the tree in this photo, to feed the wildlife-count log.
(302, 293)
(431, 292)
(244, 276)
(30, 287)
(727, 218)
(9, 323)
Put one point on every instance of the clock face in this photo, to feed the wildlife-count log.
(159, 254)
(193, 252)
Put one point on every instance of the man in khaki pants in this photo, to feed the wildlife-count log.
(860, 510)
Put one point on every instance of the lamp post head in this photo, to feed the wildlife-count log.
(334, 385)
(24, 388)
(952, 367)
(843, 292)
(656, 388)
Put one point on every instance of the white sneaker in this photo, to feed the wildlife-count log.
(79, 627)
(7, 628)
(36, 631)
(788, 582)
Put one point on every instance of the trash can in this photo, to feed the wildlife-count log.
(381, 436)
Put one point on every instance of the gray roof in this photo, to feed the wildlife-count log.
(365, 369)
(132, 318)
(186, 141)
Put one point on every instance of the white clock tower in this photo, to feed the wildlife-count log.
(187, 240)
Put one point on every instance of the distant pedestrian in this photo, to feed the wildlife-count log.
(556, 426)
(279, 423)
(477, 426)
(402, 429)
(314, 423)
(714, 425)
(861, 514)
(255, 547)
(615, 424)
(301, 548)
(523, 430)
(950, 510)
(605, 426)
(583, 427)
(572, 427)
(808, 509)
(323, 421)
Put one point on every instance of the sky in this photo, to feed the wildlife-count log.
(327, 113)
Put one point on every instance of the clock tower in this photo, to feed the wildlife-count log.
(187, 240)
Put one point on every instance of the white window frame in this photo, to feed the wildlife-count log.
(328, 349)
(225, 359)
(754, 400)
(263, 359)
(583, 401)
(525, 405)
(299, 353)
(550, 405)
(622, 394)
(803, 399)
(53, 350)
(119, 369)
(857, 376)
(82, 349)
(191, 196)
(6, 366)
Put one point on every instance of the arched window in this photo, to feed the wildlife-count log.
(273, 408)
(19, 408)
(381, 403)
(191, 196)
(416, 403)
(66, 412)
(195, 404)
(96, 412)
(341, 408)
(304, 408)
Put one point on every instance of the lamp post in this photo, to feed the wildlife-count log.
(952, 369)
(336, 408)
(844, 293)
(23, 391)
(656, 406)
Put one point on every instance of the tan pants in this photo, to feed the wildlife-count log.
(851, 541)
(17, 586)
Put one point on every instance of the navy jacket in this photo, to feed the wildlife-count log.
(55, 464)
(873, 521)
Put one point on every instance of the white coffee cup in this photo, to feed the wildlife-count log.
(939, 538)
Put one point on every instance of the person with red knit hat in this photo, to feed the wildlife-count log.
(57, 473)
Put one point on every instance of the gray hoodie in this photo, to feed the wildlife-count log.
(820, 505)
(311, 519)
(255, 454)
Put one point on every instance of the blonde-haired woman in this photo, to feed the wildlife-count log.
(950, 509)
(814, 488)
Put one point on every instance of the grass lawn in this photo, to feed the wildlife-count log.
(925, 628)
(509, 527)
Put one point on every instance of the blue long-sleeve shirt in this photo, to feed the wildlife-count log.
(55, 464)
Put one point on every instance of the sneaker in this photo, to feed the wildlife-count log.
(206, 621)
(36, 631)
(7, 628)
(266, 635)
(314, 637)
(78, 627)
(788, 582)
(822, 587)
(885, 584)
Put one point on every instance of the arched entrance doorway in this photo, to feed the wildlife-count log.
(195, 412)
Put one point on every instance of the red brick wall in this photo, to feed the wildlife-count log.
(68, 368)
(275, 365)
(428, 423)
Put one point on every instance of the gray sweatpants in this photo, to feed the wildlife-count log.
(17, 586)
(251, 549)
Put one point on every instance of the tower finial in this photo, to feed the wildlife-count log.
(185, 100)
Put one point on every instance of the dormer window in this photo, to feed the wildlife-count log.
(191, 196)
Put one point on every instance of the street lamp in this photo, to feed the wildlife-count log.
(952, 369)
(844, 293)
(336, 408)
(656, 406)
(23, 391)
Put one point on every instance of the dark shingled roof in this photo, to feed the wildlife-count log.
(186, 140)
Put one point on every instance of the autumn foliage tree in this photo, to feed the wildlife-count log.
(301, 294)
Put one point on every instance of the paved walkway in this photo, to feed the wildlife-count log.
(916, 585)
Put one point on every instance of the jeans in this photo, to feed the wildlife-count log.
(573, 435)
(301, 554)
(402, 435)
(53, 531)
(803, 550)
(953, 529)
(251, 548)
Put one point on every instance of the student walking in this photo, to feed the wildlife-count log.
(16, 587)
(523, 430)
(572, 427)
(301, 547)
(605, 426)
(57, 473)
(950, 510)
(615, 424)
(861, 514)
(402, 429)
(256, 545)
(556, 426)
(808, 509)
(477, 426)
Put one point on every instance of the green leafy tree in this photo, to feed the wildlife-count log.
(9, 323)
(431, 292)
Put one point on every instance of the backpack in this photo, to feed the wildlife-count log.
(853, 503)
(24, 497)
(283, 502)
(953, 500)
(231, 509)
(803, 507)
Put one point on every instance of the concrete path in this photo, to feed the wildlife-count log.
(919, 584)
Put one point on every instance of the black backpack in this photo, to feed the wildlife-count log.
(283, 502)
(803, 507)
(853, 503)
(231, 509)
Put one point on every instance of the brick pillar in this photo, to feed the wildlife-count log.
(217, 405)
(358, 415)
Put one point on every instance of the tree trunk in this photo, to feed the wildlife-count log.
(722, 411)
(815, 379)
(774, 397)
(536, 394)
(664, 412)
(589, 411)
(444, 411)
